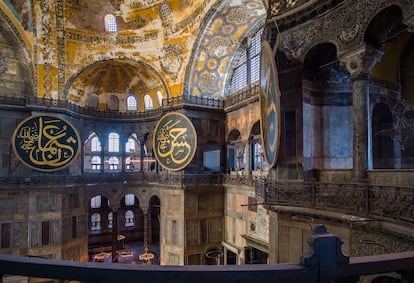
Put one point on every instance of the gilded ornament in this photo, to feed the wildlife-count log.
(46, 142)
(175, 141)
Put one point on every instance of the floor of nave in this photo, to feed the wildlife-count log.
(132, 253)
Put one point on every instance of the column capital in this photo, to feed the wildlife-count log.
(360, 62)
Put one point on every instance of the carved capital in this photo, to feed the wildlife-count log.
(360, 62)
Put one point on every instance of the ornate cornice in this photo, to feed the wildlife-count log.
(344, 27)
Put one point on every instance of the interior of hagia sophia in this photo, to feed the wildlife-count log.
(109, 71)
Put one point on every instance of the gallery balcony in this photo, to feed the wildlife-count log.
(324, 262)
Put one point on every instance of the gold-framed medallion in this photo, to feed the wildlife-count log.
(175, 141)
(46, 142)
(270, 116)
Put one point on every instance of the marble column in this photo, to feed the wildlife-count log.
(247, 166)
(103, 145)
(123, 153)
(114, 234)
(146, 232)
(359, 64)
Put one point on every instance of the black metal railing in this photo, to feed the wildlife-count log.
(356, 198)
(324, 262)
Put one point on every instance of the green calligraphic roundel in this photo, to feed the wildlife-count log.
(46, 142)
(269, 105)
(175, 141)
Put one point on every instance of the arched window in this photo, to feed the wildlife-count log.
(110, 219)
(113, 163)
(95, 144)
(148, 103)
(129, 199)
(247, 67)
(129, 218)
(113, 142)
(110, 23)
(132, 103)
(96, 163)
(165, 13)
(92, 100)
(96, 202)
(113, 103)
(130, 145)
(128, 163)
(159, 96)
(96, 222)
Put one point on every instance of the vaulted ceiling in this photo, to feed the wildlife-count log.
(177, 47)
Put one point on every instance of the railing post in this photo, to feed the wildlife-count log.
(324, 252)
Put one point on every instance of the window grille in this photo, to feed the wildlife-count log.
(110, 23)
(247, 70)
(132, 104)
(113, 142)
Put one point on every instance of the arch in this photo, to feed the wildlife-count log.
(98, 208)
(233, 150)
(209, 80)
(113, 142)
(159, 97)
(113, 163)
(257, 162)
(103, 194)
(384, 24)
(113, 103)
(148, 102)
(96, 162)
(98, 201)
(129, 199)
(131, 103)
(92, 161)
(165, 13)
(92, 100)
(321, 65)
(382, 145)
(129, 218)
(246, 64)
(110, 23)
(233, 135)
(119, 77)
(133, 155)
(96, 144)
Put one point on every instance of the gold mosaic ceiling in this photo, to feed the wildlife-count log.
(116, 77)
(180, 47)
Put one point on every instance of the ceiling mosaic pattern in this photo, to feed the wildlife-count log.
(218, 44)
(116, 77)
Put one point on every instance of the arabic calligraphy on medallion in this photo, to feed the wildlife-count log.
(46, 142)
(269, 105)
(175, 141)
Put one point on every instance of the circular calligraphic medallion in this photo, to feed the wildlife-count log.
(175, 141)
(269, 105)
(46, 142)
